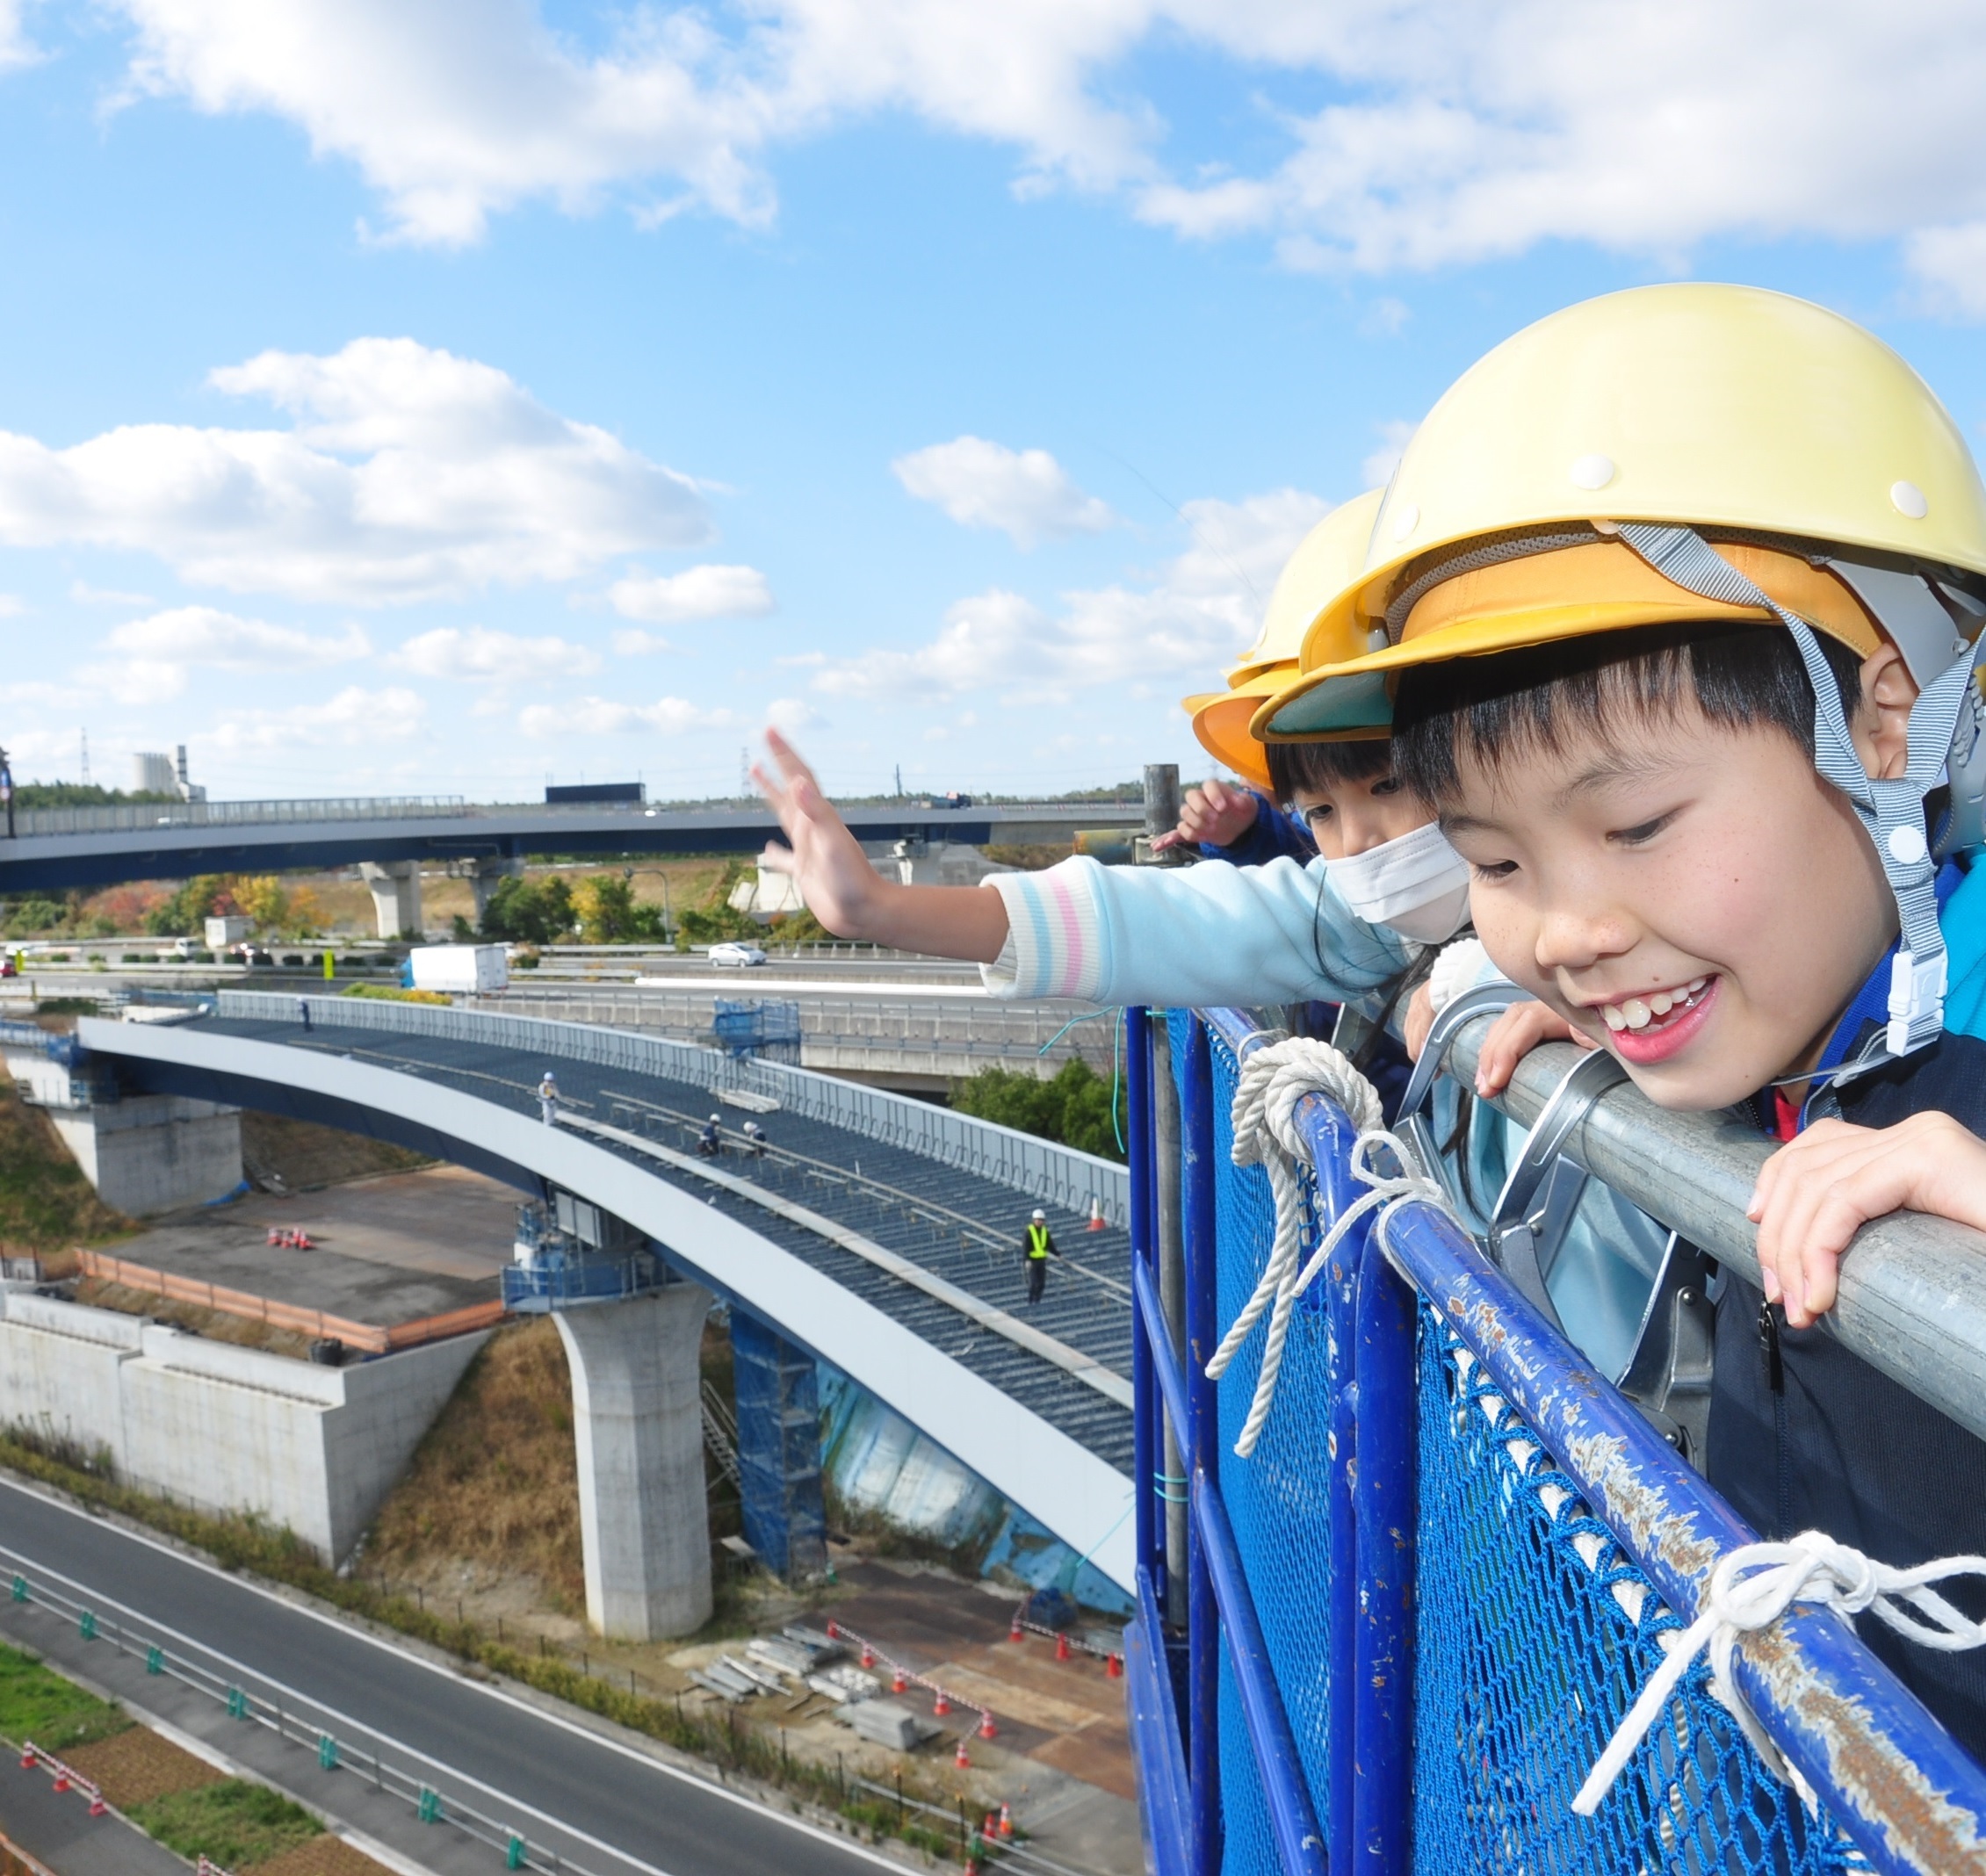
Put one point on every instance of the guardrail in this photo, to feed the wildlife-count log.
(130, 817)
(1057, 1175)
(1414, 1618)
(127, 1634)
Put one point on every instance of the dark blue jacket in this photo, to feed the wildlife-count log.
(1805, 1435)
(1275, 836)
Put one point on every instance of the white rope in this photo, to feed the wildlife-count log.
(1272, 1081)
(1750, 1588)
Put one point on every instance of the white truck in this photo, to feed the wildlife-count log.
(461, 969)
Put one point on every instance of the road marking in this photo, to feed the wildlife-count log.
(680, 1773)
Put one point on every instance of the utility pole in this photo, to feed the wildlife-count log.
(899, 781)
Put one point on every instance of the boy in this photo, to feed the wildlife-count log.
(1689, 682)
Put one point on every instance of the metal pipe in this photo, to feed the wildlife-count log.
(1145, 1413)
(1912, 1289)
(1291, 1816)
(1172, 1293)
(1202, 1436)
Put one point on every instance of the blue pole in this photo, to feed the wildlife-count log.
(1149, 1529)
(1202, 1441)
(1384, 1492)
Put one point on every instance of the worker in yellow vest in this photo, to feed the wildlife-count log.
(1037, 1247)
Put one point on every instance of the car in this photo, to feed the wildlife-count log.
(732, 952)
(8, 968)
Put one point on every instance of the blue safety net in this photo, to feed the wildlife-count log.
(1535, 1633)
(1277, 1500)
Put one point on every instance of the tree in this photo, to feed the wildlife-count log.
(610, 913)
(181, 916)
(715, 919)
(1073, 1107)
(520, 912)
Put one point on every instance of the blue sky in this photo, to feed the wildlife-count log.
(419, 395)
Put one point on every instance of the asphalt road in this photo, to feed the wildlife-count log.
(604, 1808)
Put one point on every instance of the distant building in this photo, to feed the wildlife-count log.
(914, 862)
(153, 772)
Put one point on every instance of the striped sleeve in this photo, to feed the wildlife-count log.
(1054, 942)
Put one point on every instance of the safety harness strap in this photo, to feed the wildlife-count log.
(1891, 811)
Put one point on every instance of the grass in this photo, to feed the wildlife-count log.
(46, 1203)
(57, 1714)
(234, 1823)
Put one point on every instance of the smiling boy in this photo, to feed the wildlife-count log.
(1688, 680)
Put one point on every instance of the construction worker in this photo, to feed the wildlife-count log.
(710, 1143)
(548, 1097)
(755, 1139)
(1036, 1247)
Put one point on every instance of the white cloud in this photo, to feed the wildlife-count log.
(1394, 435)
(1459, 130)
(699, 592)
(354, 717)
(481, 654)
(13, 606)
(630, 642)
(15, 48)
(85, 595)
(604, 716)
(198, 635)
(1026, 494)
(408, 473)
(792, 715)
(1193, 619)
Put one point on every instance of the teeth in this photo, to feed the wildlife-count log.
(1614, 1019)
(1662, 1001)
(1636, 1012)
(1697, 983)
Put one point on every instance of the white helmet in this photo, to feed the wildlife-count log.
(1040, 1217)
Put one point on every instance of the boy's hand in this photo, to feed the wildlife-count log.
(1513, 1035)
(1818, 1190)
(836, 881)
(1215, 814)
(1419, 1020)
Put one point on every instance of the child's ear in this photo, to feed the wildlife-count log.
(1882, 725)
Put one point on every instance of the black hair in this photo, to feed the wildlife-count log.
(1493, 709)
(1319, 765)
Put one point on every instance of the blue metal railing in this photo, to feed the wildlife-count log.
(1895, 1792)
(530, 1290)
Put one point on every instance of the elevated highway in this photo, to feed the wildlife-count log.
(879, 1233)
(57, 849)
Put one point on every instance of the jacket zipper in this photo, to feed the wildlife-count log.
(1775, 1379)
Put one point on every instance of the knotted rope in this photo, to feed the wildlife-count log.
(1750, 1589)
(1272, 1081)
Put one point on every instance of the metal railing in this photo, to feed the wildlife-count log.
(1057, 1175)
(1331, 1668)
(100, 1619)
(134, 816)
(531, 1289)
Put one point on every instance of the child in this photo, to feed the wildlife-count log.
(1687, 680)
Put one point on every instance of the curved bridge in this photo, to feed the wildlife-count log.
(879, 1233)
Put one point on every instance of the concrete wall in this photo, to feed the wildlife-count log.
(155, 1152)
(223, 1428)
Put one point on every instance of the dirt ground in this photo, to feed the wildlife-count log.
(136, 1765)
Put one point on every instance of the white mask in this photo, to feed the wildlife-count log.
(1418, 884)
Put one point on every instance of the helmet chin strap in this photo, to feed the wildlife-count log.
(1892, 810)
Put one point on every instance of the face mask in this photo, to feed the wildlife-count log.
(1418, 884)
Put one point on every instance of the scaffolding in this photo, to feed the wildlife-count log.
(778, 1450)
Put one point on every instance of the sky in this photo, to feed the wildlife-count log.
(454, 396)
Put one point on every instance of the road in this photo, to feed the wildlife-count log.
(604, 1808)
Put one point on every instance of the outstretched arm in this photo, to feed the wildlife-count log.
(848, 895)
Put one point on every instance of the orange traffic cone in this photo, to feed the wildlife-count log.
(1097, 1220)
(62, 1781)
(940, 1705)
(27, 1759)
(98, 1807)
(1014, 1628)
(1062, 1646)
(898, 1683)
(868, 1655)
(834, 1630)
(1006, 1821)
(986, 1727)
(960, 1758)
(1113, 1669)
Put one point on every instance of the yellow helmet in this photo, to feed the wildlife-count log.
(1327, 559)
(1739, 412)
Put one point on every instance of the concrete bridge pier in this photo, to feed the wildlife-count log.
(486, 874)
(637, 1417)
(396, 894)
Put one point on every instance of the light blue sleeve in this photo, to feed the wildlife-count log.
(1215, 934)
(1963, 922)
